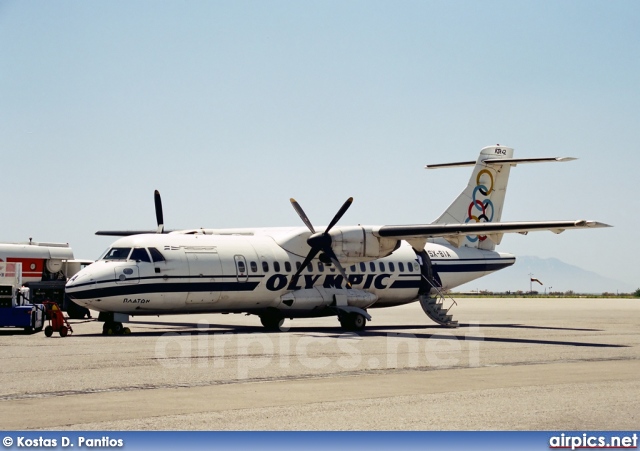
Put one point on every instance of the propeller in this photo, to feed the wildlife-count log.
(159, 216)
(321, 242)
(159, 220)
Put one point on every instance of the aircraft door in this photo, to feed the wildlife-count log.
(205, 273)
(127, 275)
(242, 273)
(430, 277)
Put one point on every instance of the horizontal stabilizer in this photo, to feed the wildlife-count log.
(515, 161)
(501, 161)
(460, 164)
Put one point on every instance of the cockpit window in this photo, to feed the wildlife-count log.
(156, 256)
(117, 253)
(140, 255)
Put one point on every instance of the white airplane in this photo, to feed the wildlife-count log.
(278, 273)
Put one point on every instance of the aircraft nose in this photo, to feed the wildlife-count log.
(77, 279)
(79, 287)
(80, 283)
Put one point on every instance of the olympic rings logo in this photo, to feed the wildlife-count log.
(479, 209)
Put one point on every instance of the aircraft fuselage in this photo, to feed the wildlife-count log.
(187, 273)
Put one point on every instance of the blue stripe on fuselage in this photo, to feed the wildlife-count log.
(182, 287)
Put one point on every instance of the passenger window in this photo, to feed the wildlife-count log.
(353, 268)
(401, 266)
(372, 266)
(382, 266)
(254, 266)
(392, 267)
(287, 266)
(410, 266)
(363, 267)
(298, 265)
(320, 266)
(140, 255)
(241, 267)
(276, 266)
(265, 266)
(156, 256)
(310, 267)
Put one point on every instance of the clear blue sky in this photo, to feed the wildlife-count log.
(230, 108)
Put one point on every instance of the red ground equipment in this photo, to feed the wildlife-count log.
(57, 321)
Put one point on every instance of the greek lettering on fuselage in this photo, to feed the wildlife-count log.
(135, 301)
(279, 282)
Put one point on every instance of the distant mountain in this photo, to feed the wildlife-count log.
(556, 275)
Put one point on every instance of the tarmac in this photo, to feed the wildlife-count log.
(513, 364)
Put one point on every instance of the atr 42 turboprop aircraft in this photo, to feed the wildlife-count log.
(278, 273)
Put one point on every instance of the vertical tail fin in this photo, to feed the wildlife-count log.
(483, 198)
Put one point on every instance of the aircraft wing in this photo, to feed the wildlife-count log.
(454, 233)
(127, 232)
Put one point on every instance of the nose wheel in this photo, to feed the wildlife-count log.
(114, 328)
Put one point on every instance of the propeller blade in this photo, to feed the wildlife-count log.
(338, 215)
(321, 241)
(310, 256)
(159, 216)
(302, 214)
(336, 262)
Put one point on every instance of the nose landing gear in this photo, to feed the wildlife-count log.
(115, 328)
(113, 323)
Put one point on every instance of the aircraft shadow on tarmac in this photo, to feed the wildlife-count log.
(523, 326)
(16, 331)
(183, 325)
(139, 330)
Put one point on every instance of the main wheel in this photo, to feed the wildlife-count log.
(105, 328)
(48, 331)
(359, 321)
(272, 322)
(353, 322)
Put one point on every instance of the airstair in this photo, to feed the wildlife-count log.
(433, 306)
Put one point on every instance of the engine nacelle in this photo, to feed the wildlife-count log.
(356, 244)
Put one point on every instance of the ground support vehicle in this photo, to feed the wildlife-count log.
(15, 308)
(46, 267)
(57, 321)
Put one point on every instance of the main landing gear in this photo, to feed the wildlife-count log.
(353, 321)
(272, 321)
(114, 328)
